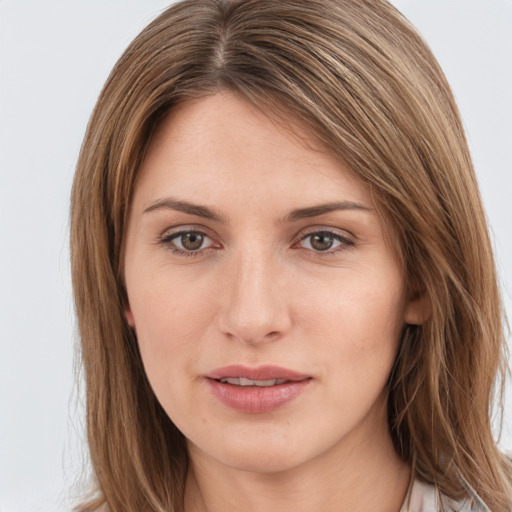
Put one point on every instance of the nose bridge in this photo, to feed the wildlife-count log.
(256, 308)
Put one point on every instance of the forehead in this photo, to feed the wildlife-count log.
(221, 144)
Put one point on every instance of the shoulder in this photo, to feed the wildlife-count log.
(425, 498)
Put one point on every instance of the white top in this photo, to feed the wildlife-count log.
(424, 498)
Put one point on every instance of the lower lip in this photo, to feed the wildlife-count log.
(257, 399)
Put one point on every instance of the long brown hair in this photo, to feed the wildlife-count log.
(365, 83)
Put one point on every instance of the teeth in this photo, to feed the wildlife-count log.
(241, 381)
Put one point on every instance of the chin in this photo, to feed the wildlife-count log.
(259, 455)
(255, 461)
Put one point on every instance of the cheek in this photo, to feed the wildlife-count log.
(170, 316)
(356, 340)
(365, 304)
(356, 322)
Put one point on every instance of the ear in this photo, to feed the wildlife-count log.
(129, 316)
(418, 308)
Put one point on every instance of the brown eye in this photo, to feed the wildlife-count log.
(192, 241)
(325, 241)
(187, 242)
(321, 241)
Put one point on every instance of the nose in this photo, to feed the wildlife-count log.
(255, 308)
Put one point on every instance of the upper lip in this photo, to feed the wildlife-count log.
(266, 372)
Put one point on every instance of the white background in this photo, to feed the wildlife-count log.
(54, 58)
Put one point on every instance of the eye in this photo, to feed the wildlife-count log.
(187, 242)
(325, 241)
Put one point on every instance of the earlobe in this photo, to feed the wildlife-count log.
(418, 309)
(129, 317)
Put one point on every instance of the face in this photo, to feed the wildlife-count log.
(266, 301)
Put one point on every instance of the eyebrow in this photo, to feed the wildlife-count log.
(205, 212)
(315, 211)
(169, 203)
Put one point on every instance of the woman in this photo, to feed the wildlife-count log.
(283, 278)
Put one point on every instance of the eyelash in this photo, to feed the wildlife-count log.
(167, 241)
(345, 242)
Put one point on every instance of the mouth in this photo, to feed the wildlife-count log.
(267, 375)
(256, 390)
(242, 381)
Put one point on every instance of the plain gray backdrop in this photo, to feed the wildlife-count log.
(54, 59)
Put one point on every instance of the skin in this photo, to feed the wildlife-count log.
(258, 291)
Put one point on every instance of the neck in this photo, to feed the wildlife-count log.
(362, 474)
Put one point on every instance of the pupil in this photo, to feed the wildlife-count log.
(321, 242)
(192, 241)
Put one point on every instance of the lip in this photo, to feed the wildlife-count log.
(256, 399)
(266, 372)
